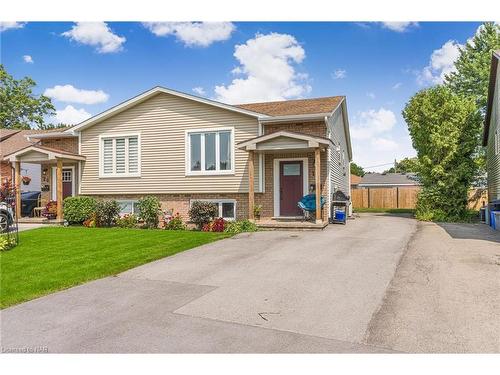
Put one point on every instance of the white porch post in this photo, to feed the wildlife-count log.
(251, 184)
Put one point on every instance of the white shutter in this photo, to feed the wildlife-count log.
(133, 155)
(120, 155)
(108, 156)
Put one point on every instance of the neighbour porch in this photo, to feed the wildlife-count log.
(291, 165)
(59, 171)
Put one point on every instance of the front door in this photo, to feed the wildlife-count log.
(67, 181)
(291, 187)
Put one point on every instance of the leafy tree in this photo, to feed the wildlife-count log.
(406, 165)
(471, 79)
(443, 127)
(20, 108)
(48, 126)
(357, 170)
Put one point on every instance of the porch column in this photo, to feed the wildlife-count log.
(251, 184)
(17, 182)
(317, 175)
(59, 196)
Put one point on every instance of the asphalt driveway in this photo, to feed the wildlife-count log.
(259, 292)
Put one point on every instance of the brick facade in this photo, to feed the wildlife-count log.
(5, 171)
(63, 144)
(311, 128)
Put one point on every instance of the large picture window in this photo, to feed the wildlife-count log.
(210, 152)
(120, 156)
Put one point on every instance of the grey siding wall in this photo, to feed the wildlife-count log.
(162, 121)
(338, 166)
(493, 159)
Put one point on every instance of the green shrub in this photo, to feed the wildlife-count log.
(106, 213)
(127, 221)
(149, 209)
(78, 209)
(202, 213)
(235, 227)
(175, 223)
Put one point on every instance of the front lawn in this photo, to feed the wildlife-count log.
(55, 258)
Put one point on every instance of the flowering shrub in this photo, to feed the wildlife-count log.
(202, 213)
(127, 221)
(175, 222)
(215, 226)
(106, 213)
(149, 210)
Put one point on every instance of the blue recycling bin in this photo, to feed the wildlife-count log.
(493, 222)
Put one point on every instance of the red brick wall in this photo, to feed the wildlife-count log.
(311, 128)
(5, 171)
(63, 144)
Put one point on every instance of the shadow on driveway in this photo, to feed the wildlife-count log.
(471, 231)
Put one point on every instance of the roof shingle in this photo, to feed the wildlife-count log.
(294, 107)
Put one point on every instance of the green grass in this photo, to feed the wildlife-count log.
(387, 210)
(55, 258)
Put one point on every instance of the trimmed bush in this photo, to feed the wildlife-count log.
(235, 227)
(175, 223)
(202, 213)
(106, 213)
(149, 210)
(127, 221)
(78, 209)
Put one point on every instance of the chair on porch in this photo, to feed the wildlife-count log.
(308, 205)
(37, 211)
(50, 210)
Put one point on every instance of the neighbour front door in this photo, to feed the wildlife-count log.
(67, 180)
(291, 187)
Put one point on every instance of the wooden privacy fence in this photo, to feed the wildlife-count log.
(403, 197)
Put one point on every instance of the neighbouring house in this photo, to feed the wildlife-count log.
(355, 180)
(184, 148)
(491, 135)
(388, 180)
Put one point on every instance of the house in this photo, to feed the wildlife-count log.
(491, 135)
(388, 180)
(12, 140)
(183, 148)
(355, 180)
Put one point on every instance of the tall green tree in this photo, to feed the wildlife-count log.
(443, 127)
(357, 170)
(471, 79)
(406, 165)
(20, 108)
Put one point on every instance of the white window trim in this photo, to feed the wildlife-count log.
(101, 156)
(54, 181)
(276, 175)
(121, 201)
(218, 202)
(189, 172)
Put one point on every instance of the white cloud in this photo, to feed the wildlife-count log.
(339, 74)
(441, 63)
(371, 95)
(200, 34)
(70, 94)
(383, 144)
(96, 34)
(399, 27)
(199, 90)
(267, 66)
(11, 25)
(28, 59)
(372, 122)
(70, 115)
(397, 85)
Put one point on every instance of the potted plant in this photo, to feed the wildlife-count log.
(257, 209)
(26, 180)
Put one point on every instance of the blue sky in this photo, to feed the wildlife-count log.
(376, 66)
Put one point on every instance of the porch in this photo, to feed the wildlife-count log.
(59, 171)
(291, 165)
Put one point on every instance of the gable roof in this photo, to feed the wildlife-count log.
(387, 179)
(148, 94)
(52, 153)
(312, 140)
(295, 107)
(15, 140)
(491, 94)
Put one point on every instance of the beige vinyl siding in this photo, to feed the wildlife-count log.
(162, 121)
(339, 169)
(492, 160)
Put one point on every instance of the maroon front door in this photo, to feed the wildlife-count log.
(67, 182)
(291, 187)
